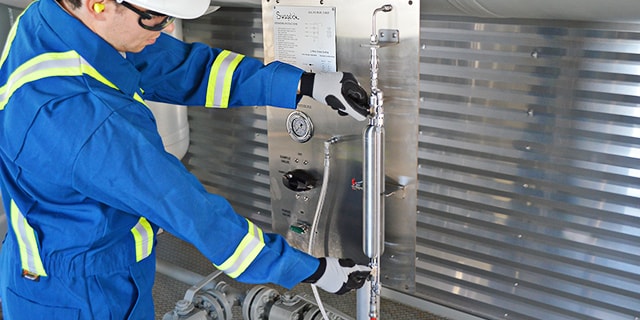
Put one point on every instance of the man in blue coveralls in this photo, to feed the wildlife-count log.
(86, 182)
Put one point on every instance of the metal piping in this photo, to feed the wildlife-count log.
(208, 299)
(368, 298)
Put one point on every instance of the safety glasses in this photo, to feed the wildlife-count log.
(150, 20)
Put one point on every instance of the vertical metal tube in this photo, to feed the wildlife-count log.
(373, 202)
(363, 296)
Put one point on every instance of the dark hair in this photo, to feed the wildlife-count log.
(75, 4)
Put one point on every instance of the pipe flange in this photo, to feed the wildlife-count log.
(208, 302)
(313, 314)
(258, 302)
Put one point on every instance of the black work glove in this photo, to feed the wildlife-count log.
(339, 276)
(340, 90)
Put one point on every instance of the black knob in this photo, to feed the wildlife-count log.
(299, 180)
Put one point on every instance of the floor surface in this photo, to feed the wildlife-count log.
(167, 291)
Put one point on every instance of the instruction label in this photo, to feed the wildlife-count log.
(305, 37)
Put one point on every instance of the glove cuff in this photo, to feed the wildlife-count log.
(306, 83)
(319, 272)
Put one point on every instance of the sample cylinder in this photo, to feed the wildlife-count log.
(373, 200)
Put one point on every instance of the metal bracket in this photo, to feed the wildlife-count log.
(388, 36)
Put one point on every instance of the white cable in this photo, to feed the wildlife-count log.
(316, 218)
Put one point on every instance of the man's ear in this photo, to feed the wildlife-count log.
(95, 8)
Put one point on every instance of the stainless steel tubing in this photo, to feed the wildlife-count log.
(373, 177)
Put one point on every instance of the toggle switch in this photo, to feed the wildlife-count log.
(299, 180)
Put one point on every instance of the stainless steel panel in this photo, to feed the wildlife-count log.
(528, 168)
(341, 223)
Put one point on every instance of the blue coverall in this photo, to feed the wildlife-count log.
(86, 182)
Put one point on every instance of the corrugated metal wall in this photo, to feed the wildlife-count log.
(228, 150)
(528, 162)
(528, 168)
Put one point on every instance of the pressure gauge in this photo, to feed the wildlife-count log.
(299, 126)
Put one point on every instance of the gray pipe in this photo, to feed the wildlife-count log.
(178, 273)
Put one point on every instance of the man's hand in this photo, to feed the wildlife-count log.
(339, 276)
(339, 90)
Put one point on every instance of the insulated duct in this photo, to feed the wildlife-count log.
(223, 3)
(586, 10)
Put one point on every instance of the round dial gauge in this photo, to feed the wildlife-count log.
(299, 126)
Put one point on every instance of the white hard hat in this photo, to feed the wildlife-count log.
(181, 9)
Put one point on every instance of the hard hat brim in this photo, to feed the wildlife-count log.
(180, 9)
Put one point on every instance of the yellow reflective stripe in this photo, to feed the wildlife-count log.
(138, 98)
(11, 36)
(219, 89)
(92, 72)
(143, 237)
(27, 242)
(52, 64)
(245, 253)
(37, 68)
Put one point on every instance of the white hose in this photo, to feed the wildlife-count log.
(316, 218)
